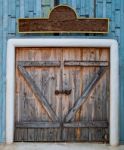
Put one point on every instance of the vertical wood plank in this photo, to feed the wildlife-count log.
(63, 2)
(1, 84)
(17, 11)
(91, 9)
(31, 8)
(47, 5)
(38, 8)
(22, 8)
(108, 14)
(122, 74)
(113, 19)
(82, 7)
(117, 20)
(73, 4)
(4, 43)
(11, 17)
(99, 8)
(104, 9)
(26, 8)
(87, 7)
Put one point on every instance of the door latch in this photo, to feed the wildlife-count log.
(66, 92)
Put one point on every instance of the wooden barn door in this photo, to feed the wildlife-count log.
(62, 94)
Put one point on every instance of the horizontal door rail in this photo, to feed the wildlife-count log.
(37, 125)
(87, 63)
(39, 63)
(81, 124)
(87, 124)
(66, 63)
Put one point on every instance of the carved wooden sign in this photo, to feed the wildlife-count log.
(63, 19)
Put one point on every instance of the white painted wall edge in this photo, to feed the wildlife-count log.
(114, 77)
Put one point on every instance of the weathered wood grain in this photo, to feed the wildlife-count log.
(21, 135)
(37, 125)
(87, 124)
(87, 63)
(84, 95)
(39, 63)
(38, 93)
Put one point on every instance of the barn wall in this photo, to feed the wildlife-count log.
(11, 10)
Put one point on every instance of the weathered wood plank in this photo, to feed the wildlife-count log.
(49, 25)
(122, 74)
(64, 77)
(87, 75)
(56, 2)
(87, 63)
(1, 78)
(47, 79)
(26, 9)
(21, 6)
(39, 63)
(30, 137)
(3, 39)
(87, 124)
(68, 82)
(38, 9)
(38, 93)
(84, 95)
(37, 124)
(21, 135)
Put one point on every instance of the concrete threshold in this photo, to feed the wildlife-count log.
(59, 146)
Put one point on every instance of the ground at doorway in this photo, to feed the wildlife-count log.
(59, 146)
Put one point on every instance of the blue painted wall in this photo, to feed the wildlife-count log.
(11, 10)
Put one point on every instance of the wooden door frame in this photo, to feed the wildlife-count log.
(114, 77)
